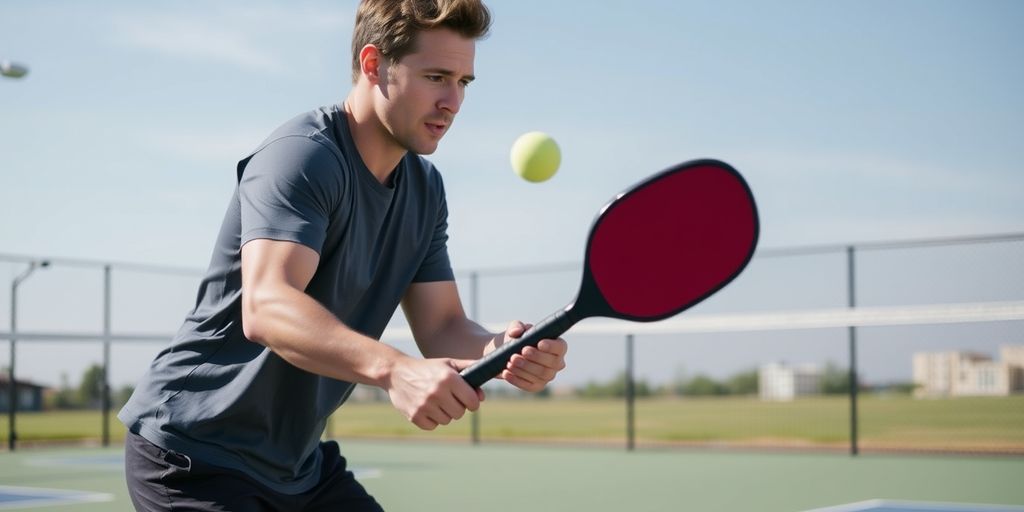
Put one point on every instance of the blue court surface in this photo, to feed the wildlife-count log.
(17, 498)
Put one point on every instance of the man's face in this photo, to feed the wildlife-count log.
(422, 92)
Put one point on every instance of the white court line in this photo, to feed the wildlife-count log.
(917, 506)
(41, 497)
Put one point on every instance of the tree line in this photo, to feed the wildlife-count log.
(87, 394)
(835, 380)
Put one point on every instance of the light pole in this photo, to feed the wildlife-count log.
(12, 69)
(12, 401)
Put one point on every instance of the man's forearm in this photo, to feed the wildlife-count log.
(460, 338)
(304, 333)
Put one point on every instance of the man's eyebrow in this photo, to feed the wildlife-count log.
(448, 72)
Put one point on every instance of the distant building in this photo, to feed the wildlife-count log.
(942, 374)
(778, 381)
(30, 395)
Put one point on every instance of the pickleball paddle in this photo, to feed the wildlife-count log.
(654, 250)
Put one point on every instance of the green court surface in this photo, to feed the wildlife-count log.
(420, 476)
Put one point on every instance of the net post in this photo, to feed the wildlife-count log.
(474, 303)
(852, 332)
(105, 383)
(630, 397)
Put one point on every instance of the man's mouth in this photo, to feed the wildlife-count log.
(437, 129)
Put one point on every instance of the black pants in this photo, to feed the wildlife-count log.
(161, 481)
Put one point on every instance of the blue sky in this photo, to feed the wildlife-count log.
(852, 120)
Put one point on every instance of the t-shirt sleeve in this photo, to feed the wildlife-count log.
(287, 191)
(436, 265)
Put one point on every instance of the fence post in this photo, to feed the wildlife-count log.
(12, 400)
(630, 397)
(474, 312)
(105, 384)
(852, 302)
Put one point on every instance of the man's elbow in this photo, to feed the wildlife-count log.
(253, 326)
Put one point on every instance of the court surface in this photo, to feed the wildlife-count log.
(415, 476)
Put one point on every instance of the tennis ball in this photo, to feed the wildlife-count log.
(535, 156)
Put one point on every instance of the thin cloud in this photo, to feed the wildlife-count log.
(243, 37)
(196, 40)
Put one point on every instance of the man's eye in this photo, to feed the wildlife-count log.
(435, 78)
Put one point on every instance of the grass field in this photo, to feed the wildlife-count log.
(989, 425)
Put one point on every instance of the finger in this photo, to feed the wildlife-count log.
(554, 362)
(465, 396)
(424, 422)
(520, 382)
(464, 393)
(450, 404)
(461, 364)
(516, 329)
(446, 411)
(528, 369)
(554, 346)
(443, 417)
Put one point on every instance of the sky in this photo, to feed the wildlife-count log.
(852, 121)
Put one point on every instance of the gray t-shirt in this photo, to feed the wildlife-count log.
(213, 394)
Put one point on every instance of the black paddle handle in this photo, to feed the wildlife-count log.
(492, 364)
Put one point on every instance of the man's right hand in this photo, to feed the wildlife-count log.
(430, 392)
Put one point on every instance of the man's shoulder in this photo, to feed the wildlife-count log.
(307, 136)
(309, 124)
(306, 144)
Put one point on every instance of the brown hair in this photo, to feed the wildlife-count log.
(392, 25)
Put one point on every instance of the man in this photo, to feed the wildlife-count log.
(335, 221)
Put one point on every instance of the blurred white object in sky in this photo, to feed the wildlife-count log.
(12, 69)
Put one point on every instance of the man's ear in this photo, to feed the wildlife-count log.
(370, 62)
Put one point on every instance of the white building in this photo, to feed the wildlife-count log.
(778, 381)
(941, 374)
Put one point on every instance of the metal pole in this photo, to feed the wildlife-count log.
(105, 391)
(12, 391)
(852, 302)
(630, 397)
(474, 312)
(12, 406)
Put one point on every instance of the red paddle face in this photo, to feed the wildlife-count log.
(673, 241)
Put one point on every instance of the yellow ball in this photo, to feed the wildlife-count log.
(535, 156)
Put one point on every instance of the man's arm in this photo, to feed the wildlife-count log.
(277, 313)
(439, 324)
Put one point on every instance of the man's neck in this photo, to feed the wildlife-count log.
(377, 149)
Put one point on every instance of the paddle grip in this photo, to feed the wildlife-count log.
(493, 363)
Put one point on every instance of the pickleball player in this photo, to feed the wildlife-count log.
(336, 220)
